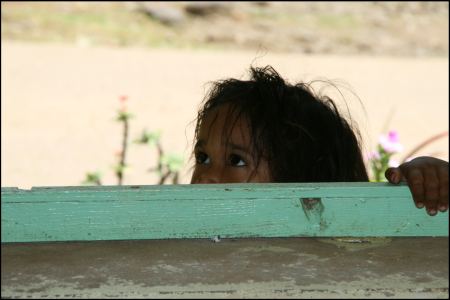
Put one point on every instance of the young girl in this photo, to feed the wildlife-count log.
(266, 130)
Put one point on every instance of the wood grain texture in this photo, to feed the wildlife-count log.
(204, 211)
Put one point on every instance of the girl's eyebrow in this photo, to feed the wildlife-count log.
(239, 147)
(199, 143)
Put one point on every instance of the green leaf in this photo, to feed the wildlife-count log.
(149, 137)
(123, 116)
(173, 162)
(120, 169)
(92, 178)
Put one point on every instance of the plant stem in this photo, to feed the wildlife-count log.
(163, 178)
(388, 119)
(124, 150)
(425, 143)
(175, 178)
(160, 155)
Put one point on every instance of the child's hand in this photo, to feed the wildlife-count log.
(427, 178)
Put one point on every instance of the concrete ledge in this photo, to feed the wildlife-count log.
(232, 268)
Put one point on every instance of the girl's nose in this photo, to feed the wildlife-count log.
(208, 175)
(206, 180)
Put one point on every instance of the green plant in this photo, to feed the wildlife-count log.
(168, 165)
(93, 178)
(123, 116)
(381, 158)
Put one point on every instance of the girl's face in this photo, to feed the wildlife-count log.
(222, 160)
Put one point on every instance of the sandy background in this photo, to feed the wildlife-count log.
(58, 103)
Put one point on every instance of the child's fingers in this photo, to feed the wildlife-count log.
(432, 190)
(393, 175)
(427, 179)
(415, 182)
(443, 190)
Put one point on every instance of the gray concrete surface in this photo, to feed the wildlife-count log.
(231, 268)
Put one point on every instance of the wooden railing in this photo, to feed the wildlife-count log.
(206, 211)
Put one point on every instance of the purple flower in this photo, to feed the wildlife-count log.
(390, 142)
(373, 155)
(393, 136)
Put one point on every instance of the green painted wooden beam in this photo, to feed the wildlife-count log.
(204, 211)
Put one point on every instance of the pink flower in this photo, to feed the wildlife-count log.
(393, 136)
(123, 98)
(390, 142)
(373, 155)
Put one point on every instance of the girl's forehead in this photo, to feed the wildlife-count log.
(225, 125)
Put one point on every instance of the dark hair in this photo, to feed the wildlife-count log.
(303, 137)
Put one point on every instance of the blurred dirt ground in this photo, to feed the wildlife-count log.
(60, 89)
(59, 103)
(380, 28)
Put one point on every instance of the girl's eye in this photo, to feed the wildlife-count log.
(201, 158)
(237, 161)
